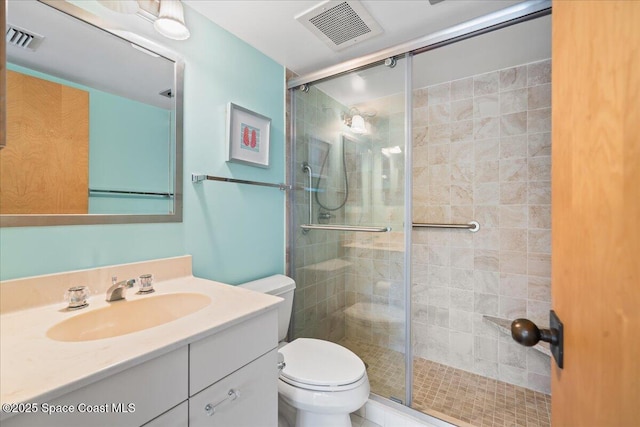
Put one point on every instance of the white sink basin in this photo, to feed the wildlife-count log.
(124, 317)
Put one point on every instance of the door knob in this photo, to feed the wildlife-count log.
(525, 332)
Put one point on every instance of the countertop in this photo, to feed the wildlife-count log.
(36, 368)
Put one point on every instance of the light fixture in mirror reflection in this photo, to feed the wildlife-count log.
(93, 125)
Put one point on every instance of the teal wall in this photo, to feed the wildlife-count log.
(235, 233)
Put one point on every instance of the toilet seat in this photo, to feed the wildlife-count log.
(321, 365)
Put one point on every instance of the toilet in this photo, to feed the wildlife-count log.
(321, 382)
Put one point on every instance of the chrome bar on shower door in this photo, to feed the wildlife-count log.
(307, 168)
(473, 226)
(340, 227)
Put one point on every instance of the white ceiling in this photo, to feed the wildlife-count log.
(270, 26)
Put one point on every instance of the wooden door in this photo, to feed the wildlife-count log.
(596, 211)
(3, 72)
(44, 169)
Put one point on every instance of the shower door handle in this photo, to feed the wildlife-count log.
(525, 332)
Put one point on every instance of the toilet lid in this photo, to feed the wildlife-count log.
(317, 362)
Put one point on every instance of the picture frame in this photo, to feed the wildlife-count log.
(248, 136)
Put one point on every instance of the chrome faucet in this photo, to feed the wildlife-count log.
(117, 290)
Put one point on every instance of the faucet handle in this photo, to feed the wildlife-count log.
(77, 296)
(146, 284)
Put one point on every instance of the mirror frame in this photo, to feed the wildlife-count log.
(178, 84)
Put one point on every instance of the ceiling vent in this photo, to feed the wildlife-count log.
(340, 24)
(24, 39)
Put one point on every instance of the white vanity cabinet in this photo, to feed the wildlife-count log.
(173, 390)
(246, 398)
(152, 388)
(245, 357)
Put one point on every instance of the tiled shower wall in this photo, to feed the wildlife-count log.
(481, 151)
(350, 283)
(319, 272)
(375, 312)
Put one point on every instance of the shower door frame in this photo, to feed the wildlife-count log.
(522, 12)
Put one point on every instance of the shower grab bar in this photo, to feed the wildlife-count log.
(338, 227)
(473, 226)
(307, 168)
(196, 178)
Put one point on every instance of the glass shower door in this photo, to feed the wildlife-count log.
(481, 152)
(347, 237)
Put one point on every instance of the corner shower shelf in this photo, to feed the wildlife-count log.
(504, 326)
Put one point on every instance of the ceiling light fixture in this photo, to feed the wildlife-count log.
(355, 120)
(170, 22)
(357, 124)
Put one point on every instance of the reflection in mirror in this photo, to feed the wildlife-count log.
(93, 123)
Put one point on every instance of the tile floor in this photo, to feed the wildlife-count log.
(457, 396)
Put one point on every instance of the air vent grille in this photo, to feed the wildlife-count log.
(340, 23)
(22, 38)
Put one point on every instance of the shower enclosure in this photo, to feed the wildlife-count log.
(420, 223)
(348, 232)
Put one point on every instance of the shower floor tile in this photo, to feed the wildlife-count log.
(452, 394)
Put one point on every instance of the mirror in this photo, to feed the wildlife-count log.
(94, 122)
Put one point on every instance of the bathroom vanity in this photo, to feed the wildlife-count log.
(216, 365)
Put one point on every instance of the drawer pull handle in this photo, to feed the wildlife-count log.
(232, 395)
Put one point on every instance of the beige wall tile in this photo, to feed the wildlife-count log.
(513, 101)
(539, 97)
(462, 131)
(461, 89)
(513, 124)
(539, 144)
(486, 106)
(513, 147)
(439, 93)
(486, 83)
(462, 109)
(539, 120)
(513, 78)
(539, 73)
(514, 285)
(488, 127)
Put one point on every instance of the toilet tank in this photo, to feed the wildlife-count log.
(283, 287)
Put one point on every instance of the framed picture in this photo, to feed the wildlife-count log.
(248, 136)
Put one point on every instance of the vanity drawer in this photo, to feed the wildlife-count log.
(256, 386)
(215, 357)
(129, 398)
